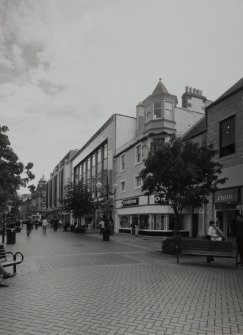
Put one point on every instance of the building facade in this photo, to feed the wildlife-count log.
(222, 127)
(94, 162)
(224, 119)
(34, 203)
(59, 178)
(158, 117)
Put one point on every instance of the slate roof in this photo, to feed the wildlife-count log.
(233, 89)
(199, 128)
(160, 88)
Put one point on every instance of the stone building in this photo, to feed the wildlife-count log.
(222, 127)
(157, 118)
(59, 178)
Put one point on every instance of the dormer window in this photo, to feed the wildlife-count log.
(157, 110)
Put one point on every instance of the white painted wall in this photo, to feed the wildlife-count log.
(125, 129)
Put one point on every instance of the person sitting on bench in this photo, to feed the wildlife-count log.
(6, 274)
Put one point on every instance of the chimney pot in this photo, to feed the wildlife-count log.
(194, 91)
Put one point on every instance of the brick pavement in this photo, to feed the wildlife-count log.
(77, 284)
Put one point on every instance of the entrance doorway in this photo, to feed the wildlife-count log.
(227, 222)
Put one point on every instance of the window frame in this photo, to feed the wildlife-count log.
(166, 109)
(140, 161)
(121, 163)
(230, 148)
(161, 109)
(135, 182)
(121, 183)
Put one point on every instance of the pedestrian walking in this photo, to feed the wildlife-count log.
(44, 225)
(28, 226)
(101, 226)
(55, 224)
(239, 236)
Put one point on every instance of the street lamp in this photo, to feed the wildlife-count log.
(106, 195)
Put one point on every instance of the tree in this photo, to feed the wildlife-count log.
(13, 174)
(78, 200)
(183, 174)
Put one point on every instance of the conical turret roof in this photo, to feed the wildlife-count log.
(160, 88)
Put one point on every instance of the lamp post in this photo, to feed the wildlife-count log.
(106, 195)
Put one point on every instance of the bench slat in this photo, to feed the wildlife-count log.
(196, 247)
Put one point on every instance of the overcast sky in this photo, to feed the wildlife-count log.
(67, 65)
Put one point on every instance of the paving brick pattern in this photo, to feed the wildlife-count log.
(78, 284)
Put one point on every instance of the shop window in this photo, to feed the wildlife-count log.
(159, 222)
(124, 221)
(227, 136)
(144, 222)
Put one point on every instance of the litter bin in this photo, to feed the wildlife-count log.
(11, 236)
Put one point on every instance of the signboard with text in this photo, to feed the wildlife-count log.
(130, 202)
(227, 196)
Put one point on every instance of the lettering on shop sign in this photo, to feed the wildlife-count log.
(130, 202)
(158, 198)
(226, 196)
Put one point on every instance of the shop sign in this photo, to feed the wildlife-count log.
(130, 202)
(227, 196)
(158, 198)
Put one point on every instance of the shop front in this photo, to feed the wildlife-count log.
(228, 203)
(136, 215)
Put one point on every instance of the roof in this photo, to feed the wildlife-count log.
(232, 90)
(160, 88)
(199, 128)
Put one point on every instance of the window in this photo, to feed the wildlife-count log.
(158, 221)
(99, 155)
(123, 186)
(157, 110)
(105, 151)
(168, 110)
(148, 116)
(138, 153)
(123, 166)
(227, 136)
(138, 181)
(157, 143)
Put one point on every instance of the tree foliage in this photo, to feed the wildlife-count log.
(182, 173)
(13, 174)
(78, 200)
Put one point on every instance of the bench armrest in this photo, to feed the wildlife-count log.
(15, 256)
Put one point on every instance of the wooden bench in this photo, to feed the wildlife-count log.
(17, 258)
(197, 247)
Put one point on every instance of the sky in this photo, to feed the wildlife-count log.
(67, 65)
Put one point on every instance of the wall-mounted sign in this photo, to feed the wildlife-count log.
(227, 196)
(158, 198)
(130, 202)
